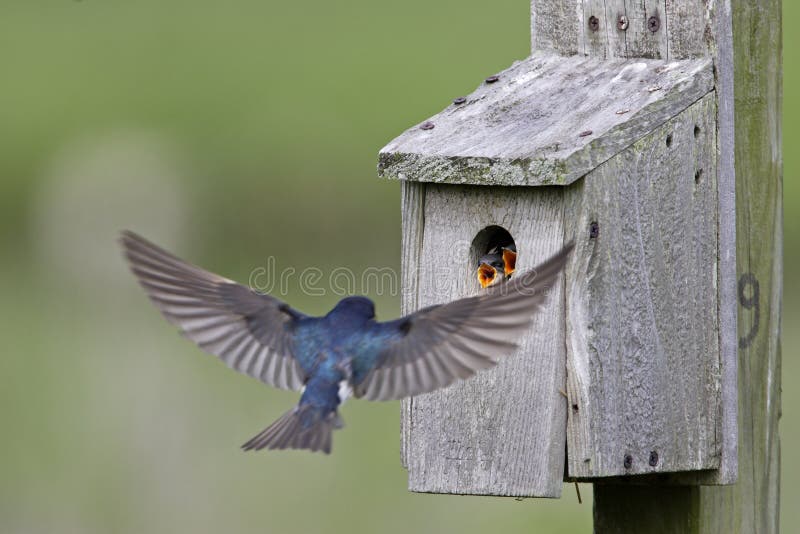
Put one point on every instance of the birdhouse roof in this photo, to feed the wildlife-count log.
(546, 120)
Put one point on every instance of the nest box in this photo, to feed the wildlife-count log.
(628, 370)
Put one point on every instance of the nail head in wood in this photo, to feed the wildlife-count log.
(460, 100)
(653, 461)
(492, 79)
(427, 125)
(627, 462)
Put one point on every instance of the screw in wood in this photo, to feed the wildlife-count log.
(594, 230)
(622, 23)
(594, 23)
(460, 100)
(627, 462)
(427, 125)
(492, 79)
(585, 133)
(653, 461)
(653, 24)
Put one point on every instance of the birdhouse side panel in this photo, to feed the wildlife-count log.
(643, 356)
(501, 432)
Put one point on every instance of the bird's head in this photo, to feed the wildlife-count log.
(355, 307)
(491, 270)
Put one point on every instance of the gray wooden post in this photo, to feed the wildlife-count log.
(750, 68)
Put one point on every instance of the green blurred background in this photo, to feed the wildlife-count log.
(229, 132)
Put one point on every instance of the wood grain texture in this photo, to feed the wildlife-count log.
(593, 37)
(752, 504)
(688, 28)
(721, 44)
(642, 325)
(555, 26)
(616, 36)
(728, 299)
(412, 206)
(503, 431)
(549, 120)
(683, 28)
(641, 42)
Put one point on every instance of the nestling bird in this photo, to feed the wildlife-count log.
(346, 352)
(497, 265)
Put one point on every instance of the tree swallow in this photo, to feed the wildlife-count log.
(496, 265)
(344, 353)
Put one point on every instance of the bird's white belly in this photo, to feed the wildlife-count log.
(345, 391)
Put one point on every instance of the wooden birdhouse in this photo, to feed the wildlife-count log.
(614, 133)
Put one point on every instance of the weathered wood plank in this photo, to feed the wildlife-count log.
(752, 504)
(594, 30)
(617, 26)
(688, 28)
(412, 205)
(642, 325)
(728, 299)
(658, 29)
(556, 25)
(497, 433)
(548, 120)
(641, 40)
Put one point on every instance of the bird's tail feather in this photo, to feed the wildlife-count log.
(299, 428)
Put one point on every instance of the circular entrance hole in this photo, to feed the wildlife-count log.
(493, 255)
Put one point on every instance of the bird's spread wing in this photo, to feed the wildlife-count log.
(250, 332)
(433, 347)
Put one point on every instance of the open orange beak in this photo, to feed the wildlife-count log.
(486, 275)
(509, 261)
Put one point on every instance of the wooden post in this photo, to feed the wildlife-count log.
(751, 69)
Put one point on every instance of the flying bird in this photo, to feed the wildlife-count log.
(344, 353)
(497, 265)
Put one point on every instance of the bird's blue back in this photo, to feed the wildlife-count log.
(346, 344)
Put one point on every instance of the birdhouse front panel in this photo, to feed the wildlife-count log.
(502, 432)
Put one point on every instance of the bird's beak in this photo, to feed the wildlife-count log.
(509, 261)
(486, 275)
